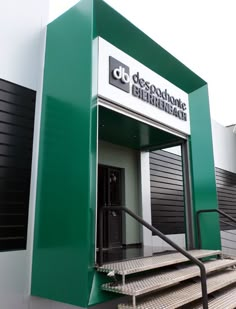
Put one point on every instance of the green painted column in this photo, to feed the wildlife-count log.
(202, 168)
(66, 190)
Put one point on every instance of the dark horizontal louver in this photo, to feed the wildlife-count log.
(167, 198)
(17, 109)
(226, 192)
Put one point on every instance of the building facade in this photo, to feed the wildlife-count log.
(97, 115)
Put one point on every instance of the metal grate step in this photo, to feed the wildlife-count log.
(161, 279)
(142, 264)
(184, 294)
(223, 300)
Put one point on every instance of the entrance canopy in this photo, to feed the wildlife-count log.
(120, 129)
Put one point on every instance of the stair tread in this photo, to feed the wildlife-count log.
(184, 293)
(147, 263)
(225, 299)
(147, 283)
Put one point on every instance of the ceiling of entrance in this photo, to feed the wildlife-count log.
(120, 129)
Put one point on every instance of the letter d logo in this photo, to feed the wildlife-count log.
(119, 74)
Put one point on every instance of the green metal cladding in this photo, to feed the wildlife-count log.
(202, 164)
(64, 241)
(65, 191)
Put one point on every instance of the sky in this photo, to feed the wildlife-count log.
(201, 34)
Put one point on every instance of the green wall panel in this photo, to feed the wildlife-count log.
(67, 160)
(117, 30)
(202, 165)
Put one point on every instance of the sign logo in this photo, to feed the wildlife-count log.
(119, 74)
(144, 90)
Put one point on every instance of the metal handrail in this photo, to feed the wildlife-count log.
(207, 211)
(163, 237)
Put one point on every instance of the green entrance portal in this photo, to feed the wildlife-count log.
(65, 220)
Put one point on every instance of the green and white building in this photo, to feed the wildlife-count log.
(94, 114)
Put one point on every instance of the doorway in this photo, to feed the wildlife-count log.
(110, 193)
(122, 142)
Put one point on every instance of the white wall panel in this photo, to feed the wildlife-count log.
(22, 38)
(146, 196)
(160, 245)
(224, 147)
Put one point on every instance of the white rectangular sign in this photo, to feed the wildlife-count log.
(126, 82)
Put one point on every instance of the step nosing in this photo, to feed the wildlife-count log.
(150, 283)
(226, 298)
(133, 266)
(187, 292)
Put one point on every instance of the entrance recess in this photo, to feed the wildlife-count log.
(110, 194)
(120, 137)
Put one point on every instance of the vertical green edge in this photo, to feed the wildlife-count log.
(202, 168)
(66, 187)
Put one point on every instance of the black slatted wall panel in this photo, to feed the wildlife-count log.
(17, 108)
(167, 199)
(226, 191)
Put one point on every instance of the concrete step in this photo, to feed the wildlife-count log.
(142, 264)
(184, 293)
(162, 279)
(223, 300)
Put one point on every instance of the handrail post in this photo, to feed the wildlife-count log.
(204, 287)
